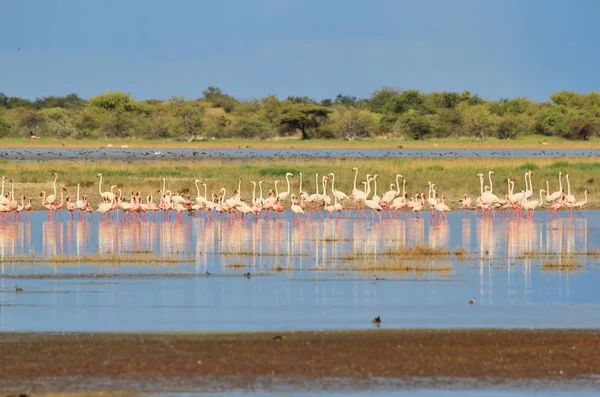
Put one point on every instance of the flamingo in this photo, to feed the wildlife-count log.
(3, 199)
(199, 199)
(391, 194)
(530, 206)
(45, 204)
(441, 207)
(375, 197)
(28, 206)
(13, 204)
(296, 208)
(371, 203)
(79, 203)
(357, 194)
(339, 195)
(106, 196)
(58, 206)
(325, 197)
(557, 194)
(466, 202)
(570, 199)
(418, 205)
(52, 198)
(529, 192)
(284, 195)
(315, 197)
(579, 205)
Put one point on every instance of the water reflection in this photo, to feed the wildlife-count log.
(316, 274)
(319, 244)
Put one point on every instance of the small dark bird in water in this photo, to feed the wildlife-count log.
(207, 273)
(472, 301)
(18, 289)
(376, 320)
(247, 275)
(375, 278)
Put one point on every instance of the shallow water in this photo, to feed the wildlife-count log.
(247, 152)
(315, 274)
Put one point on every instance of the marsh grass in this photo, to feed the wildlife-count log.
(454, 177)
(569, 265)
(418, 251)
(237, 265)
(555, 254)
(402, 267)
(97, 258)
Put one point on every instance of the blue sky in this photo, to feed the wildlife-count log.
(317, 48)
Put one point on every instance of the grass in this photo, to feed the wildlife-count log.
(402, 267)
(454, 177)
(554, 254)
(96, 258)
(569, 265)
(526, 141)
(418, 251)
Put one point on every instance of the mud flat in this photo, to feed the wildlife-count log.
(339, 360)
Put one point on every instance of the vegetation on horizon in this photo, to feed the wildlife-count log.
(387, 112)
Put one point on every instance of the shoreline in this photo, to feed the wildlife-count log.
(525, 142)
(330, 360)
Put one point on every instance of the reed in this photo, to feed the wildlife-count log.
(394, 266)
(567, 265)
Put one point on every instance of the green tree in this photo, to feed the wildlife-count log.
(7, 127)
(509, 127)
(417, 126)
(189, 114)
(550, 119)
(303, 117)
(581, 126)
(353, 123)
(477, 120)
(218, 99)
(57, 123)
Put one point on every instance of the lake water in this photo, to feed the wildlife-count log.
(247, 153)
(307, 274)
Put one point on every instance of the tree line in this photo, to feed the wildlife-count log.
(387, 112)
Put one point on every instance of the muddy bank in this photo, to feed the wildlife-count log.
(268, 360)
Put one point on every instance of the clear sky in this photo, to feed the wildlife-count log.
(317, 48)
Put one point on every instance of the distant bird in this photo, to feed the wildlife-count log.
(376, 320)
(18, 289)
(472, 301)
(33, 136)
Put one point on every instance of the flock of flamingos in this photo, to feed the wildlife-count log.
(521, 203)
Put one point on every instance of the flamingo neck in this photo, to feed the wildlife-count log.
(355, 176)
(560, 181)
